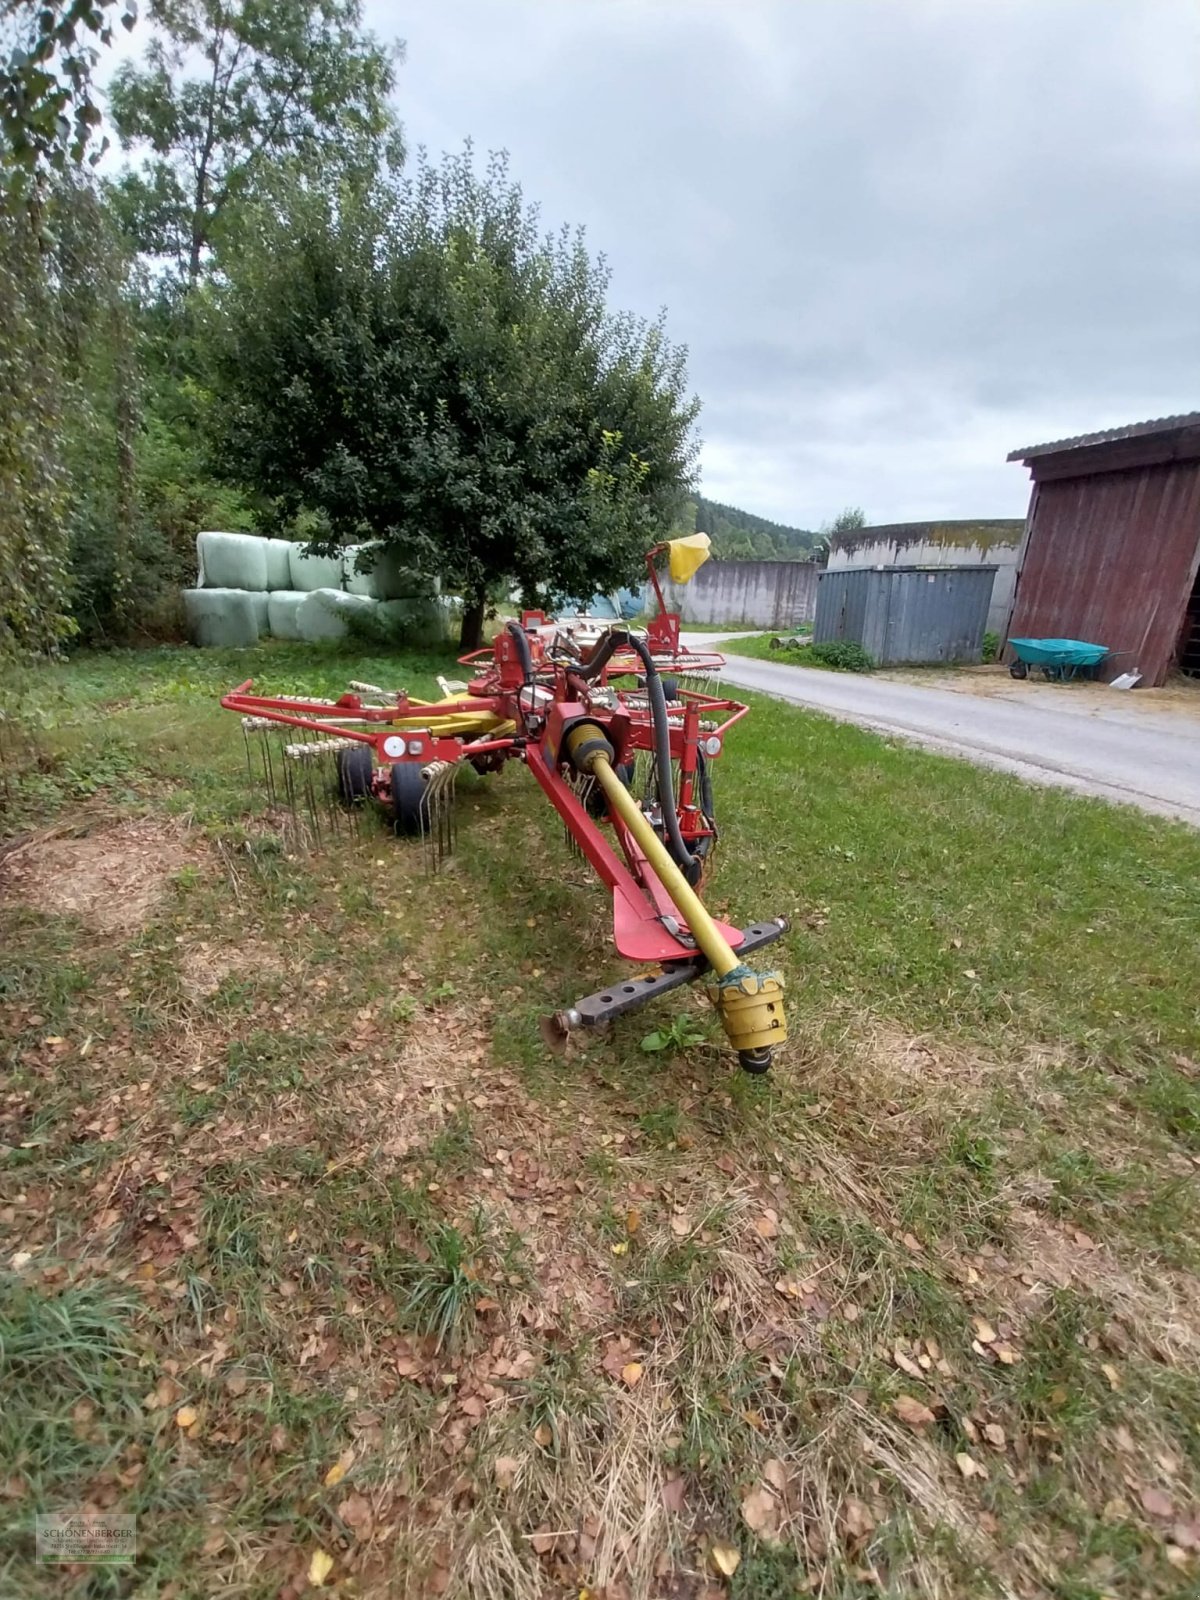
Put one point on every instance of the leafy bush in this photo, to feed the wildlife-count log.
(991, 646)
(844, 655)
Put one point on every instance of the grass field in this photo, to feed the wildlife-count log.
(318, 1264)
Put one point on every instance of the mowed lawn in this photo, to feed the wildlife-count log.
(316, 1262)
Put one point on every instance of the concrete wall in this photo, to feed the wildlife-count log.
(762, 594)
(995, 543)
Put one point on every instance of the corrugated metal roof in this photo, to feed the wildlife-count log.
(1135, 430)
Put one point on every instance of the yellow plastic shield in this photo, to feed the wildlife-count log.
(686, 556)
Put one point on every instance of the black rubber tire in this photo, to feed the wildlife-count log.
(408, 797)
(755, 1062)
(1018, 669)
(670, 688)
(355, 769)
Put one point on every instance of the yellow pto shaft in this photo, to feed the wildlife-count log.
(750, 1004)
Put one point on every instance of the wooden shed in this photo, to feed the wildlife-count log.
(1112, 545)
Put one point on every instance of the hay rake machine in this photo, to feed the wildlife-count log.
(619, 727)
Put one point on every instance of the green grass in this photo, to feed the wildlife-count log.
(803, 655)
(340, 1196)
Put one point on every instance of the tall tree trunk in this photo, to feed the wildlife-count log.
(472, 622)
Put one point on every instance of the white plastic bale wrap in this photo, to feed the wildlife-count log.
(282, 607)
(326, 613)
(221, 619)
(262, 619)
(279, 563)
(231, 561)
(389, 578)
(415, 622)
(313, 572)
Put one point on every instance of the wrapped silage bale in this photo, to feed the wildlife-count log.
(389, 578)
(231, 561)
(421, 621)
(326, 614)
(313, 572)
(282, 607)
(279, 563)
(261, 613)
(221, 619)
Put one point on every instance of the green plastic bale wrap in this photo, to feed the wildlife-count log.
(231, 561)
(279, 563)
(326, 614)
(221, 619)
(389, 578)
(414, 622)
(313, 572)
(282, 607)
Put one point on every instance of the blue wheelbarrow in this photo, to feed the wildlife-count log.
(1059, 659)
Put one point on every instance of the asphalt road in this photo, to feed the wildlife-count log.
(1099, 742)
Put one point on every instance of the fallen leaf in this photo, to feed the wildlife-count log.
(1006, 1354)
(767, 1226)
(856, 1519)
(906, 1363)
(1111, 1373)
(504, 1468)
(1155, 1503)
(672, 1495)
(355, 1512)
(633, 1220)
(680, 1227)
(760, 1511)
(235, 1382)
(984, 1331)
(319, 1568)
(911, 1242)
(621, 1248)
(912, 1411)
(543, 1435)
(631, 1373)
(969, 1467)
(339, 1469)
(186, 1417)
(542, 1540)
(725, 1558)
(994, 1434)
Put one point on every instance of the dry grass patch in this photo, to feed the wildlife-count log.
(113, 878)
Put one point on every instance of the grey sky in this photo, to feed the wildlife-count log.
(900, 237)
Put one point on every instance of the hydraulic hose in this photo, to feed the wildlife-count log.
(522, 643)
(688, 863)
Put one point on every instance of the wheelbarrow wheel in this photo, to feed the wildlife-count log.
(355, 769)
(1018, 669)
(408, 798)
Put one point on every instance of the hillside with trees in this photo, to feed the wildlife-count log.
(741, 536)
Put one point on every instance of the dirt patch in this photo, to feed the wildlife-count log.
(204, 967)
(112, 879)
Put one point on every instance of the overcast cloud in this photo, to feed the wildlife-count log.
(900, 237)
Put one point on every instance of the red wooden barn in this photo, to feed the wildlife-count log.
(1112, 545)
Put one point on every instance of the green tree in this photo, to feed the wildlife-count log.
(847, 521)
(292, 80)
(49, 50)
(415, 362)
